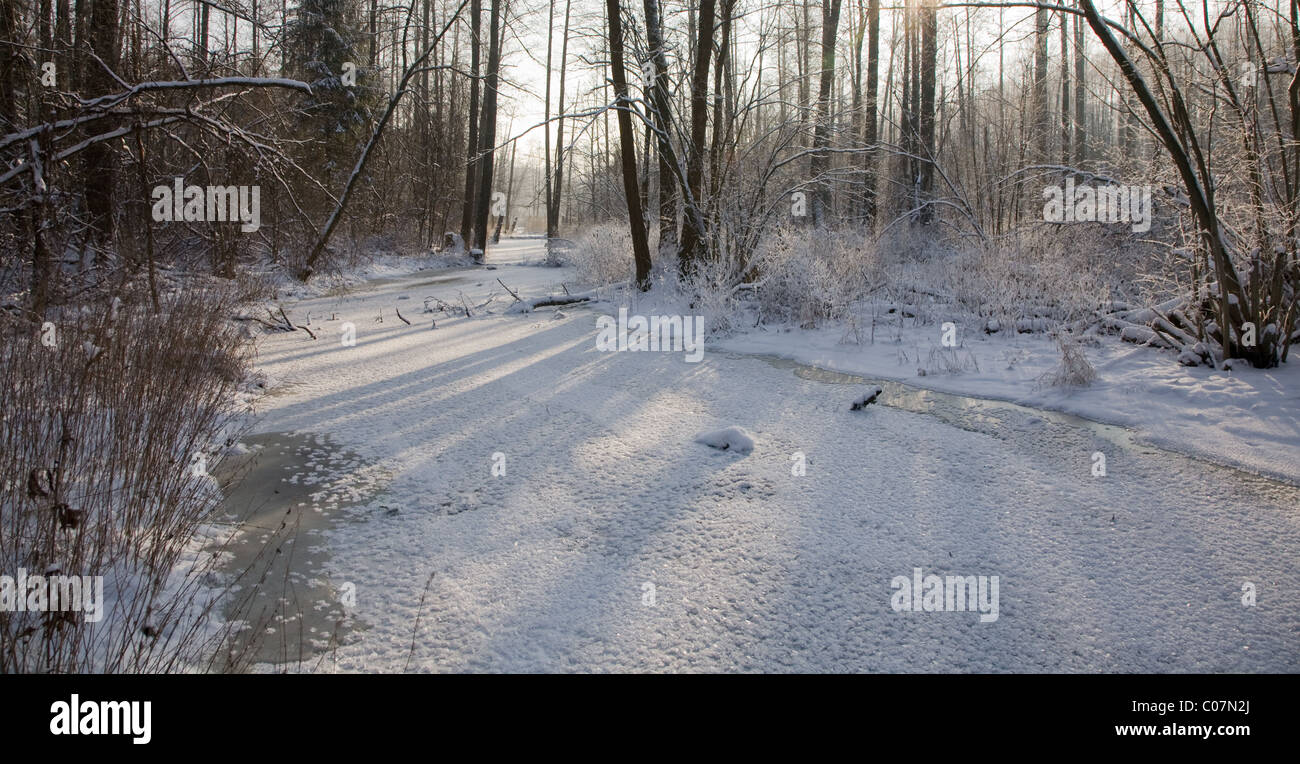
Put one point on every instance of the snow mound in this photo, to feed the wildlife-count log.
(727, 439)
(866, 399)
(453, 244)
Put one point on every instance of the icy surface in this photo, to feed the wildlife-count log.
(556, 516)
(1244, 417)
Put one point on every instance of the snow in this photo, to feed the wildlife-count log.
(376, 267)
(728, 438)
(605, 543)
(867, 398)
(1241, 417)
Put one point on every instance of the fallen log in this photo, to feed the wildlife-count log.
(528, 306)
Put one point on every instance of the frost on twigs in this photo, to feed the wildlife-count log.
(1074, 369)
(731, 438)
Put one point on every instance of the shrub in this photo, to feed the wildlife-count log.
(1074, 369)
(102, 441)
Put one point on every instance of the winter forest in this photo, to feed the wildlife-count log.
(649, 336)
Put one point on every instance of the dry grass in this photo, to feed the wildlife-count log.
(111, 419)
(1074, 369)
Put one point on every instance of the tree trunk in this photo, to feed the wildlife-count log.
(627, 146)
(1080, 114)
(929, 55)
(471, 144)
(1041, 117)
(819, 163)
(487, 129)
(1066, 135)
(553, 212)
(547, 172)
(692, 229)
(719, 131)
(663, 124)
(871, 119)
(100, 163)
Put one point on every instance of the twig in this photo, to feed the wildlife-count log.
(399, 315)
(508, 289)
(419, 612)
(267, 324)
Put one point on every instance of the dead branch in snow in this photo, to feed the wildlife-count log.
(508, 289)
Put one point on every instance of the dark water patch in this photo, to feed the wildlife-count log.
(284, 494)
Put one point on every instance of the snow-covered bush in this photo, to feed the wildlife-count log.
(1074, 369)
(601, 254)
(1033, 280)
(806, 278)
(1043, 272)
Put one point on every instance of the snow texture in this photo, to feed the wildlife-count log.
(727, 439)
(546, 490)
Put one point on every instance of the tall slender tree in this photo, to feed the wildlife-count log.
(819, 163)
(487, 129)
(553, 210)
(472, 143)
(871, 118)
(1041, 113)
(692, 228)
(929, 12)
(661, 107)
(100, 161)
(627, 145)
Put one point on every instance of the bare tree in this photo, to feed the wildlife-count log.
(692, 228)
(627, 146)
(553, 208)
(1042, 112)
(488, 130)
(467, 216)
(661, 109)
(820, 161)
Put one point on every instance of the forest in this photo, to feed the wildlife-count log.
(1098, 176)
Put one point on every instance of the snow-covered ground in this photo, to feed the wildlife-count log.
(544, 505)
(1245, 417)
